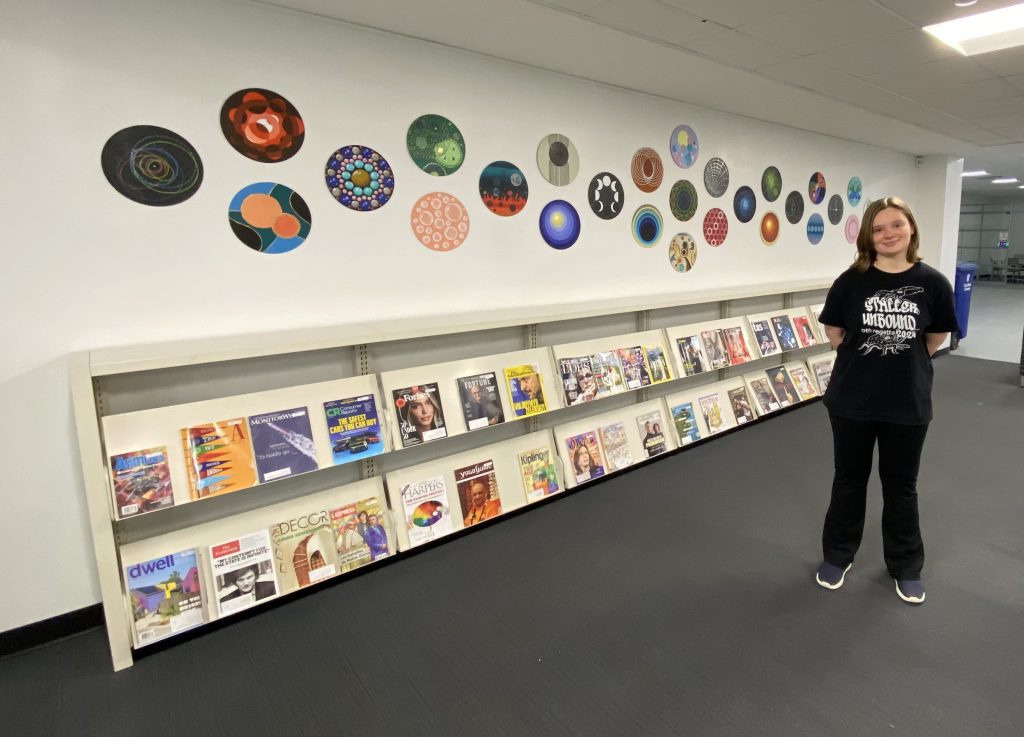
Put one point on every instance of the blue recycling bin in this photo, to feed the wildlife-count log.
(965, 272)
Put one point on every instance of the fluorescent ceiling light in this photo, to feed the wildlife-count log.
(965, 3)
(982, 32)
(979, 173)
(1006, 180)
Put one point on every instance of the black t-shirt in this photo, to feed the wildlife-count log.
(883, 370)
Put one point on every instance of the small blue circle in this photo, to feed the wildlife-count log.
(815, 229)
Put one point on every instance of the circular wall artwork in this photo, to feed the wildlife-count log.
(646, 169)
(771, 184)
(559, 224)
(269, 217)
(816, 187)
(262, 125)
(716, 177)
(435, 145)
(557, 158)
(682, 200)
(853, 191)
(647, 225)
(503, 188)
(359, 178)
(716, 227)
(684, 146)
(835, 209)
(852, 228)
(769, 228)
(151, 165)
(815, 229)
(794, 207)
(682, 252)
(440, 221)
(605, 195)
(744, 204)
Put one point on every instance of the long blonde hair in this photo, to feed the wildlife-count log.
(865, 243)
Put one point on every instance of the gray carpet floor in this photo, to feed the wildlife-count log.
(677, 599)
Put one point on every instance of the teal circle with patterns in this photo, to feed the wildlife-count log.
(682, 200)
(435, 145)
(854, 190)
(647, 226)
(771, 184)
(815, 229)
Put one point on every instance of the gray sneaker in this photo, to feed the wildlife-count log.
(911, 590)
(830, 576)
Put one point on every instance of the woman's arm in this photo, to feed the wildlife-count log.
(933, 341)
(835, 335)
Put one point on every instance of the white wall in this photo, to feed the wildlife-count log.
(84, 267)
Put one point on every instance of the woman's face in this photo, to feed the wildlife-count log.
(891, 233)
(421, 412)
(583, 459)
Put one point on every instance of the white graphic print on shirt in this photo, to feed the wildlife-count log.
(889, 321)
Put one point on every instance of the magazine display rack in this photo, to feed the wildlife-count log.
(130, 401)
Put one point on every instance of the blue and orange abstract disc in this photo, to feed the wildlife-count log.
(816, 188)
(647, 225)
(559, 224)
(815, 229)
(503, 188)
(427, 514)
(269, 217)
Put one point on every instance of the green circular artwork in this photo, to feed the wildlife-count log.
(436, 145)
(771, 184)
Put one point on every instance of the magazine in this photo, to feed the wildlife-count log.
(802, 382)
(304, 550)
(690, 352)
(526, 389)
(219, 457)
(539, 476)
(740, 403)
(354, 429)
(783, 328)
(283, 444)
(420, 417)
(615, 445)
(711, 409)
(822, 372)
(804, 332)
(360, 534)
(657, 363)
(607, 373)
(478, 492)
(166, 596)
(651, 435)
(243, 572)
(714, 348)
(766, 344)
(763, 395)
(736, 344)
(481, 402)
(585, 456)
(578, 380)
(686, 423)
(427, 515)
(782, 385)
(634, 367)
(142, 481)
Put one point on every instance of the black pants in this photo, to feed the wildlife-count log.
(899, 457)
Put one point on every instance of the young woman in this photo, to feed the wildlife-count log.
(886, 316)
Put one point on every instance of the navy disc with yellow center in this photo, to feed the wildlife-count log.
(647, 225)
(435, 145)
(744, 204)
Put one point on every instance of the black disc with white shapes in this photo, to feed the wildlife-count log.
(835, 209)
(605, 195)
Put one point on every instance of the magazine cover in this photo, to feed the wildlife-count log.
(766, 344)
(782, 385)
(689, 350)
(714, 348)
(354, 429)
(420, 417)
(481, 402)
(634, 367)
(282, 443)
(711, 408)
(427, 516)
(804, 331)
(740, 403)
(802, 382)
(166, 596)
(243, 572)
(615, 445)
(526, 389)
(585, 456)
(763, 395)
(685, 422)
(360, 534)
(657, 363)
(219, 457)
(783, 328)
(736, 344)
(478, 492)
(607, 373)
(578, 380)
(304, 550)
(822, 372)
(651, 435)
(539, 476)
(142, 481)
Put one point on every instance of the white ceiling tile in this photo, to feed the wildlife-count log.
(735, 13)
(931, 75)
(825, 25)
(1005, 62)
(999, 121)
(1017, 80)
(999, 106)
(926, 12)
(883, 53)
(653, 19)
(577, 6)
(1013, 132)
(738, 50)
(955, 98)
